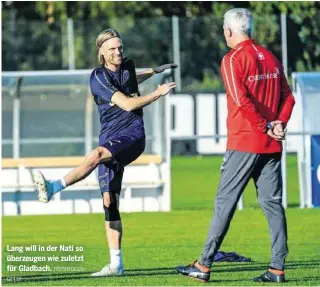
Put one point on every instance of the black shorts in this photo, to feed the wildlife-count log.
(124, 149)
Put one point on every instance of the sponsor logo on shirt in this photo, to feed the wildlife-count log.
(265, 76)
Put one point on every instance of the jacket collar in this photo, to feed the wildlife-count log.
(243, 43)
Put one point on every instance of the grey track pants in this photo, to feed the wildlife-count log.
(236, 171)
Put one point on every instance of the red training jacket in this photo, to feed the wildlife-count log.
(257, 93)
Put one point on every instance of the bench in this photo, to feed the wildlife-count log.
(67, 161)
(144, 184)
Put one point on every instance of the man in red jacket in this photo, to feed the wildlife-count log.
(259, 104)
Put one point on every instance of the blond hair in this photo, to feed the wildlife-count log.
(102, 37)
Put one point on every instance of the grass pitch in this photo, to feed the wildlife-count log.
(154, 243)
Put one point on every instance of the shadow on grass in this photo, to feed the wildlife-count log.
(293, 205)
(236, 267)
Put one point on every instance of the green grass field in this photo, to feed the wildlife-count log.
(154, 243)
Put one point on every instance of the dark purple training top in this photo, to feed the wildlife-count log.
(114, 120)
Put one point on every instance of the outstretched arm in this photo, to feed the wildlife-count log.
(146, 74)
(132, 103)
(101, 87)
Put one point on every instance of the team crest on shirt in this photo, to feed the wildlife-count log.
(260, 56)
(125, 76)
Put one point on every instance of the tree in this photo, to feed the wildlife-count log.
(34, 33)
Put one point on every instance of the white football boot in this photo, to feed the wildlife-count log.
(109, 271)
(44, 187)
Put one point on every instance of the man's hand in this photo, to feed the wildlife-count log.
(146, 74)
(162, 68)
(276, 131)
(166, 88)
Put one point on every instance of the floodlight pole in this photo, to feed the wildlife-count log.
(71, 60)
(284, 55)
(16, 120)
(176, 52)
